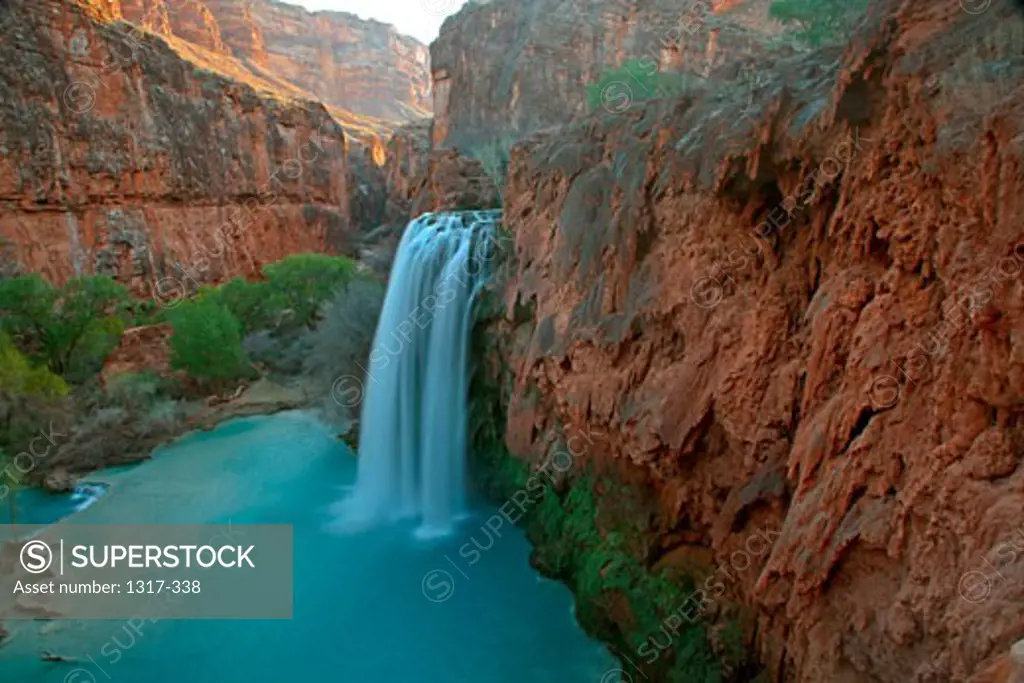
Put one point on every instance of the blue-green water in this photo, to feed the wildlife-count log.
(35, 506)
(361, 613)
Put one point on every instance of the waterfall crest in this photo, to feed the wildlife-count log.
(412, 434)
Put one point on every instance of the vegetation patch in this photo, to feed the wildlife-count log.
(819, 22)
(207, 344)
(635, 81)
(55, 340)
(70, 329)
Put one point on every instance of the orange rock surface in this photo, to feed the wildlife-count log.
(141, 349)
(804, 310)
(117, 157)
(365, 67)
(510, 68)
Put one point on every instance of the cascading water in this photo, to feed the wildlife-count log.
(412, 435)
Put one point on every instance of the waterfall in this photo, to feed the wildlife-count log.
(412, 434)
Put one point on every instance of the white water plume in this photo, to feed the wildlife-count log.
(412, 434)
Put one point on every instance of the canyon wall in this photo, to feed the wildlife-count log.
(508, 68)
(365, 67)
(412, 180)
(794, 305)
(118, 157)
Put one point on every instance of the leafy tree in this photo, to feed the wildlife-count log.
(819, 21)
(20, 379)
(303, 282)
(27, 304)
(291, 295)
(253, 303)
(71, 329)
(142, 312)
(23, 386)
(207, 342)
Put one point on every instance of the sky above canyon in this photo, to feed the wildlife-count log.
(420, 19)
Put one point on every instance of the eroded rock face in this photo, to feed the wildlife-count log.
(511, 67)
(117, 158)
(141, 349)
(191, 20)
(411, 181)
(365, 67)
(804, 315)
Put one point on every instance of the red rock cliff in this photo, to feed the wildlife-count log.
(365, 67)
(510, 67)
(118, 157)
(804, 311)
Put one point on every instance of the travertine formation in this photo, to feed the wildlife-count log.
(118, 157)
(796, 304)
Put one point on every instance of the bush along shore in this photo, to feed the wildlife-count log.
(92, 378)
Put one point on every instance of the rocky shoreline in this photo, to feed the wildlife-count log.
(60, 473)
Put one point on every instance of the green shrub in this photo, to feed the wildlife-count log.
(637, 80)
(19, 378)
(303, 282)
(291, 295)
(72, 328)
(252, 303)
(207, 343)
(818, 22)
(144, 312)
(29, 395)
